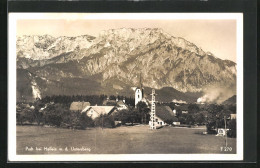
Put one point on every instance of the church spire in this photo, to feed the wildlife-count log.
(141, 85)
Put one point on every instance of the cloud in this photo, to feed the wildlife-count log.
(217, 94)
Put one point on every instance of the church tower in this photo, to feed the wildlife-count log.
(139, 92)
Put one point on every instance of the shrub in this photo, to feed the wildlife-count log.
(80, 120)
(54, 119)
(52, 115)
(105, 121)
(26, 115)
(199, 118)
(85, 121)
(127, 116)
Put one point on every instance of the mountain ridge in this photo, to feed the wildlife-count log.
(121, 55)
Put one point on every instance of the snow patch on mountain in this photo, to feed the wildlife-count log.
(124, 54)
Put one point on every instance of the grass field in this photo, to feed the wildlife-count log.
(121, 140)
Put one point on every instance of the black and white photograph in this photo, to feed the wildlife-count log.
(125, 86)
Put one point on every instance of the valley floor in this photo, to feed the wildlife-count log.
(120, 140)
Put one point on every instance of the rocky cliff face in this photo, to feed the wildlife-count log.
(46, 47)
(117, 57)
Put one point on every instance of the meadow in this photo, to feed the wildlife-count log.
(120, 140)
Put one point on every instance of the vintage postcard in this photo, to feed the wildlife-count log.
(125, 87)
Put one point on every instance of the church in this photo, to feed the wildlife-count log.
(160, 115)
(139, 94)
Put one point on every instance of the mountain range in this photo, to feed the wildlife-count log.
(113, 63)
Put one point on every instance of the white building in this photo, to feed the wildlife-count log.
(121, 105)
(138, 95)
(96, 111)
(162, 115)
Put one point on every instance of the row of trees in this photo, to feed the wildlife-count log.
(93, 99)
(191, 119)
(59, 115)
(211, 115)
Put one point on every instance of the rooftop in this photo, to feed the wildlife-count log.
(78, 106)
(165, 113)
(99, 109)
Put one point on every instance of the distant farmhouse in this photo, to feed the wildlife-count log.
(78, 106)
(108, 107)
(182, 108)
(96, 111)
(120, 104)
(164, 114)
(233, 116)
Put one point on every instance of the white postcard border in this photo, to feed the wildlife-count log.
(12, 156)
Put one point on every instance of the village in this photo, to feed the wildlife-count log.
(120, 113)
(129, 120)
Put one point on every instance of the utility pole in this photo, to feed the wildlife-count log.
(102, 121)
(225, 130)
(152, 117)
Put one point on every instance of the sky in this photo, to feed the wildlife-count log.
(216, 36)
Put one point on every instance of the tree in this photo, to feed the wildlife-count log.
(182, 119)
(85, 121)
(232, 128)
(143, 112)
(25, 114)
(38, 115)
(52, 115)
(127, 116)
(112, 97)
(74, 120)
(189, 119)
(193, 108)
(199, 118)
(215, 118)
(105, 121)
(233, 108)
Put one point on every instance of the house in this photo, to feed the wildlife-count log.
(222, 131)
(163, 114)
(176, 123)
(233, 116)
(78, 106)
(121, 105)
(96, 111)
(182, 108)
